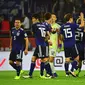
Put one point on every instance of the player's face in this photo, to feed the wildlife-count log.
(34, 20)
(54, 18)
(17, 23)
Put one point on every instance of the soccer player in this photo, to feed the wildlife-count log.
(47, 22)
(54, 39)
(18, 44)
(40, 32)
(80, 45)
(70, 48)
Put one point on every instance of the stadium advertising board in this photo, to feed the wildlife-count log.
(58, 62)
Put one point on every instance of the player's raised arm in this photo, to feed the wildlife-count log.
(82, 20)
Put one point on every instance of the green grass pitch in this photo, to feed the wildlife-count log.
(7, 78)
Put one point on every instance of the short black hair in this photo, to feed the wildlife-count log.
(67, 17)
(17, 18)
(47, 16)
(36, 16)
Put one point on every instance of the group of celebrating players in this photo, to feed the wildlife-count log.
(49, 37)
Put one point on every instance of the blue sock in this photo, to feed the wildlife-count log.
(66, 65)
(48, 68)
(32, 68)
(18, 68)
(74, 65)
(13, 65)
(42, 68)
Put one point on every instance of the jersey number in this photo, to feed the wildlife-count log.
(68, 33)
(14, 37)
(79, 36)
(43, 32)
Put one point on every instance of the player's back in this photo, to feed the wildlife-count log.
(68, 31)
(79, 35)
(47, 26)
(39, 31)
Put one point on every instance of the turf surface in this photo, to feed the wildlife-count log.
(7, 78)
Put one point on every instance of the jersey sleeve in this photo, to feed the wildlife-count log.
(48, 28)
(24, 34)
(11, 30)
(61, 30)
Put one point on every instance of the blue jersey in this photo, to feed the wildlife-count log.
(48, 26)
(39, 31)
(79, 38)
(84, 39)
(18, 42)
(79, 35)
(68, 31)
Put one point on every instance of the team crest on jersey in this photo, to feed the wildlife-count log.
(12, 32)
(18, 33)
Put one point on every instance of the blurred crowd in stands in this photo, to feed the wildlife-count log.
(25, 8)
(9, 9)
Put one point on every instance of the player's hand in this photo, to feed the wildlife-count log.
(57, 30)
(81, 15)
(25, 52)
(50, 43)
